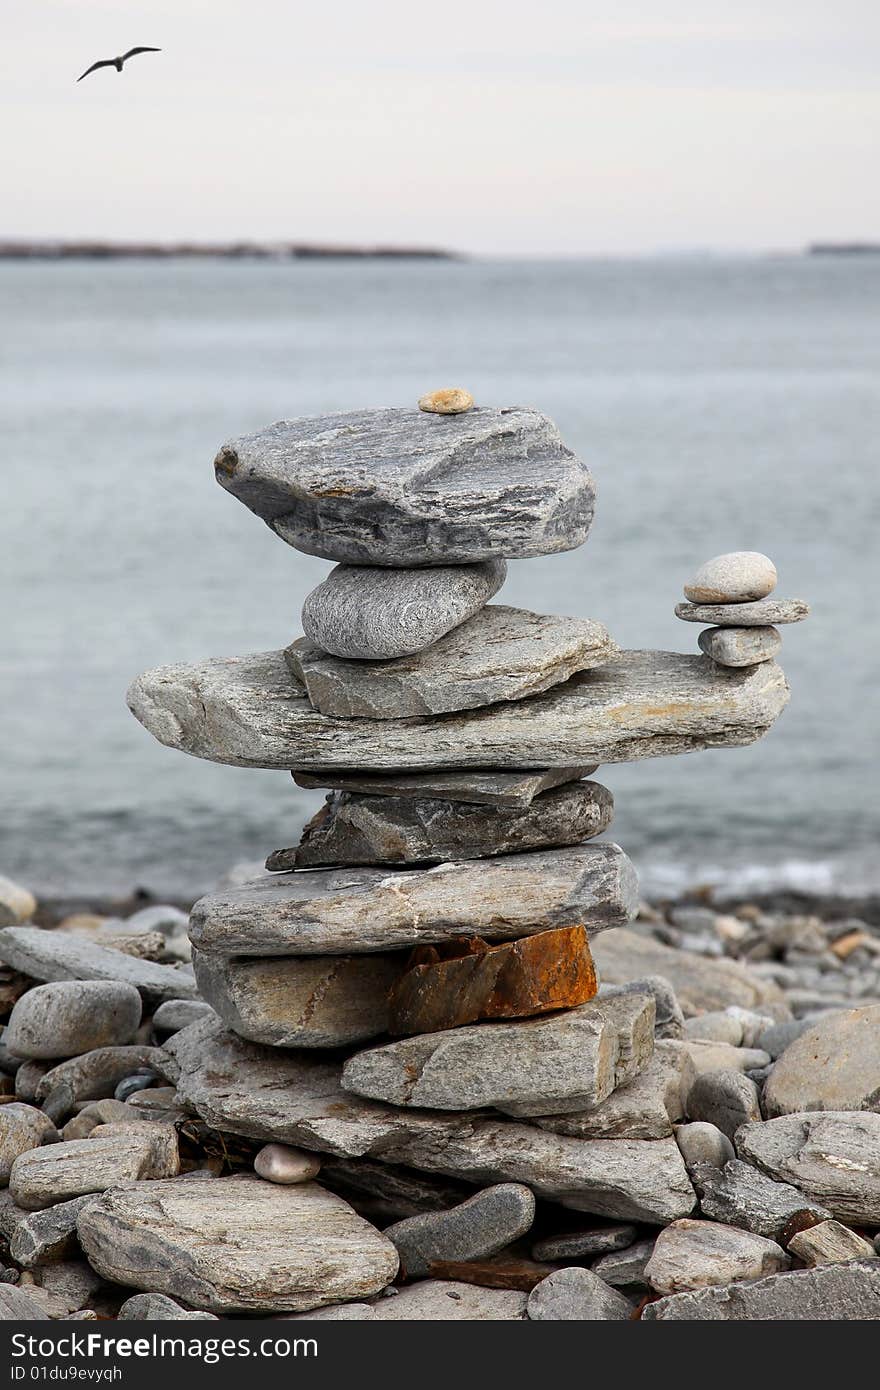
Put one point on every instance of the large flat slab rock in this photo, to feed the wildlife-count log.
(645, 1107)
(833, 1157)
(55, 955)
(249, 712)
(830, 1293)
(701, 984)
(270, 1095)
(236, 1244)
(481, 788)
(833, 1065)
(500, 653)
(342, 911)
(352, 829)
(116, 1154)
(402, 487)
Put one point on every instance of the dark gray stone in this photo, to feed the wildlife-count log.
(516, 790)
(42, 1237)
(829, 1293)
(479, 1227)
(766, 612)
(833, 1156)
(726, 1099)
(598, 1240)
(625, 1268)
(576, 1295)
(741, 1195)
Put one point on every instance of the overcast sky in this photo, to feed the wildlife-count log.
(554, 126)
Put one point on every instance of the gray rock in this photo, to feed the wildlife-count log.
(559, 1062)
(737, 577)
(73, 1016)
(516, 790)
(598, 1240)
(829, 1242)
(740, 1195)
(373, 613)
(625, 1268)
(446, 1300)
(832, 1156)
(96, 1074)
(22, 1127)
(160, 917)
(17, 904)
(668, 1019)
(270, 1095)
(334, 1312)
(740, 646)
(408, 830)
(479, 1227)
(42, 1237)
(111, 1155)
(403, 488)
(646, 1107)
(701, 1142)
(831, 1293)
(282, 1164)
(833, 1065)
(65, 1287)
(499, 654)
(175, 1014)
(157, 1307)
(236, 1244)
(775, 1039)
(768, 612)
(699, 983)
(576, 1295)
(99, 1112)
(249, 712)
(720, 1057)
(18, 1306)
(300, 1001)
(387, 1192)
(54, 955)
(726, 1099)
(338, 911)
(717, 1026)
(130, 1085)
(694, 1254)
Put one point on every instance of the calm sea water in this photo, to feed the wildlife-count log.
(722, 404)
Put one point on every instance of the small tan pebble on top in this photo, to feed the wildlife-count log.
(738, 577)
(279, 1163)
(18, 904)
(454, 400)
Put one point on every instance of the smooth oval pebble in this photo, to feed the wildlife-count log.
(138, 1081)
(740, 646)
(453, 400)
(738, 577)
(282, 1164)
(66, 1018)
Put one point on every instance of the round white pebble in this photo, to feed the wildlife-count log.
(738, 577)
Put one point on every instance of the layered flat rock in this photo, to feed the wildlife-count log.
(500, 653)
(833, 1157)
(374, 613)
(830, 1293)
(535, 1066)
(300, 1001)
(646, 1107)
(466, 980)
(402, 487)
(249, 712)
(830, 1242)
(114, 1154)
(833, 1065)
(741, 1195)
(55, 955)
(481, 788)
(237, 1244)
(351, 911)
(270, 1095)
(700, 983)
(766, 612)
(353, 829)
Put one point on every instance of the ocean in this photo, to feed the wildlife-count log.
(722, 403)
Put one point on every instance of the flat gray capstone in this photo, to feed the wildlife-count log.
(741, 1195)
(833, 1065)
(767, 612)
(516, 790)
(559, 1062)
(68, 1017)
(829, 1293)
(576, 1295)
(270, 1095)
(54, 955)
(646, 1107)
(700, 983)
(249, 712)
(236, 1244)
(477, 1228)
(353, 829)
(404, 488)
(352, 911)
(375, 614)
(832, 1156)
(499, 654)
(740, 646)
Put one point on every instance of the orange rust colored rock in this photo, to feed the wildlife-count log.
(845, 945)
(497, 1272)
(465, 980)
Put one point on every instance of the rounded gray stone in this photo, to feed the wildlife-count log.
(767, 612)
(725, 1099)
(479, 1227)
(22, 1128)
(737, 577)
(740, 646)
(833, 1065)
(701, 1142)
(70, 1017)
(175, 1014)
(576, 1295)
(372, 613)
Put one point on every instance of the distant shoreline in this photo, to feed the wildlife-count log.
(83, 250)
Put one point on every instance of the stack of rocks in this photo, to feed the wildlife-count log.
(731, 591)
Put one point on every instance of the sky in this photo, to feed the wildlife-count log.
(553, 127)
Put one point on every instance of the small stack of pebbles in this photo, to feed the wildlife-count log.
(732, 592)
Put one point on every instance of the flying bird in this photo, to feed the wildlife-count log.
(117, 62)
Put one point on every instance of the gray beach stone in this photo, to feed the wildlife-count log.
(479, 787)
(286, 1097)
(406, 830)
(300, 1001)
(341, 911)
(175, 1014)
(73, 1016)
(282, 1164)
(830, 1242)
(726, 1099)
(768, 612)
(830, 1293)
(17, 904)
(479, 1227)
(740, 646)
(249, 712)
(22, 1127)
(96, 1074)
(833, 1065)
(42, 1237)
(157, 1307)
(371, 613)
(832, 1156)
(236, 1244)
(709, 1057)
(27, 1079)
(388, 1192)
(625, 1269)
(738, 577)
(112, 1154)
(598, 1240)
(701, 1142)
(576, 1295)
(717, 1026)
(645, 1107)
(669, 1019)
(741, 1195)
(499, 654)
(18, 1306)
(65, 1287)
(447, 1300)
(780, 1036)
(694, 1254)
(54, 955)
(404, 488)
(700, 984)
(563, 1061)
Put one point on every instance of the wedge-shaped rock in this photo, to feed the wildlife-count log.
(45, 1236)
(694, 1254)
(237, 1244)
(300, 1001)
(834, 1065)
(831, 1293)
(699, 982)
(409, 830)
(55, 955)
(113, 1154)
(500, 653)
(832, 1156)
(342, 911)
(481, 788)
(534, 1066)
(266, 1094)
(249, 712)
(645, 1107)
(742, 1195)
(402, 487)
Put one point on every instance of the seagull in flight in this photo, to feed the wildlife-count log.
(117, 62)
